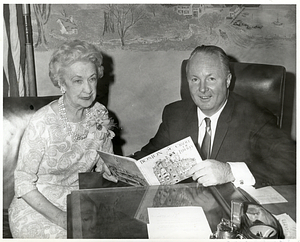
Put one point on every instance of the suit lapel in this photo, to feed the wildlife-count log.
(222, 127)
(191, 127)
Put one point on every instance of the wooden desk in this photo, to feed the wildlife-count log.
(116, 212)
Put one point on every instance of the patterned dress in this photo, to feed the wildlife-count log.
(50, 161)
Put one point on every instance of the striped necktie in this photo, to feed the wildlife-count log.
(205, 147)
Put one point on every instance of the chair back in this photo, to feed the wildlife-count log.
(17, 112)
(260, 84)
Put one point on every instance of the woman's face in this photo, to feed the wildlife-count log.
(80, 83)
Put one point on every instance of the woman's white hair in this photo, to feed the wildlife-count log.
(71, 52)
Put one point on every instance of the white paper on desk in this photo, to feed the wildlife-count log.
(178, 222)
(178, 231)
(288, 225)
(264, 195)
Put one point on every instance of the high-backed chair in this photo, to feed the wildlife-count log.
(259, 83)
(16, 115)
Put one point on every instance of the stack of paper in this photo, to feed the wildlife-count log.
(178, 223)
(264, 195)
(288, 225)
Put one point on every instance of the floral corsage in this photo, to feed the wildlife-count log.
(100, 118)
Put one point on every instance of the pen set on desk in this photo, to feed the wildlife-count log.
(249, 221)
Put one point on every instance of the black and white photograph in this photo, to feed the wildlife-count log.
(130, 80)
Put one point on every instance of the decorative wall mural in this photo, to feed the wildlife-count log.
(164, 26)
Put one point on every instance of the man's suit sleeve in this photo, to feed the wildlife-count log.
(274, 154)
(246, 133)
(160, 140)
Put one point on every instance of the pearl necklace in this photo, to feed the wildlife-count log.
(81, 130)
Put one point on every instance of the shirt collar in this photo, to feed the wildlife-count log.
(213, 118)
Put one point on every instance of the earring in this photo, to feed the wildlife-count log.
(63, 91)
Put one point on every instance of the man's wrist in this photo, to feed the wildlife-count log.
(241, 173)
(230, 175)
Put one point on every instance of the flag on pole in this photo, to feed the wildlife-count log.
(14, 57)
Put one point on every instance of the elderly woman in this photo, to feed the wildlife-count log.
(60, 141)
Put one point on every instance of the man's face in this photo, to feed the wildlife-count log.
(208, 82)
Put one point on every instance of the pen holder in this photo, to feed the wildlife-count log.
(225, 230)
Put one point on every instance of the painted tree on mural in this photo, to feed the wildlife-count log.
(126, 16)
(154, 8)
(42, 13)
(109, 26)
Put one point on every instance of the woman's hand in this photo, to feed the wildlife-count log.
(102, 167)
(107, 174)
(42, 205)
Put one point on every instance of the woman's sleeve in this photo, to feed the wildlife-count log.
(31, 153)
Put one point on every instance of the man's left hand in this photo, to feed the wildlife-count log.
(211, 172)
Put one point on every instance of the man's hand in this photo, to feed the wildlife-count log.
(211, 172)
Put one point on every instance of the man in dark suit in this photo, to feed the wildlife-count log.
(244, 145)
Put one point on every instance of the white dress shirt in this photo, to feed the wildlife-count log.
(240, 170)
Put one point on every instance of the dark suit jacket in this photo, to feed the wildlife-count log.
(244, 133)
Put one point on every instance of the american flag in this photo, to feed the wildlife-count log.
(14, 51)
